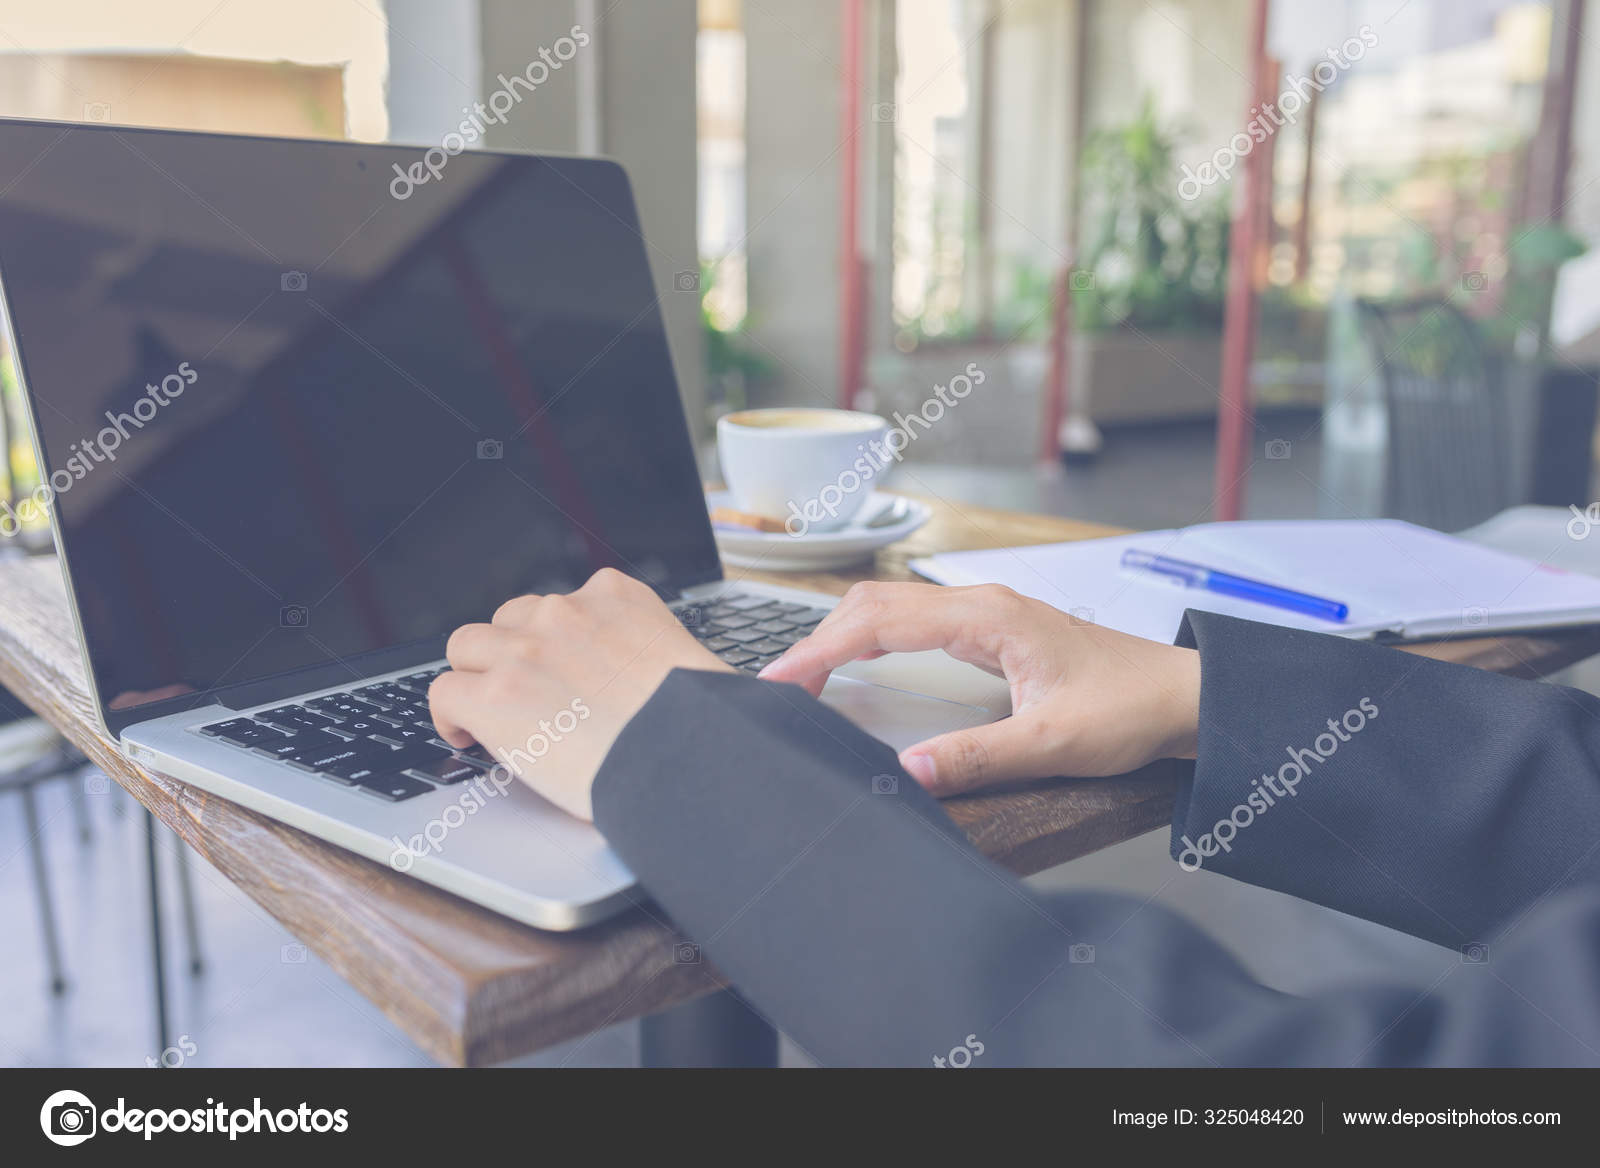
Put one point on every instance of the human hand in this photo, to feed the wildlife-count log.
(551, 682)
(1086, 701)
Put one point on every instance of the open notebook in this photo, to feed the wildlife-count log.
(1397, 578)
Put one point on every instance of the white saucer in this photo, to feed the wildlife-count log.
(817, 551)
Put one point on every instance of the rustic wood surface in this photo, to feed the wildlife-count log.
(471, 987)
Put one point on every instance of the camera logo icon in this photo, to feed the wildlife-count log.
(1475, 953)
(97, 784)
(885, 785)
(686, 953)
(1081, 954)
(883, 111)
(1474, 281)
(491, 449)
(292, 282)
(686, 282)
(1081, 280)
(293, 953)
(293, 616)
(1279, 448)
(1474, 617)
(68, 1118)
(96, 111)
(1082, 613)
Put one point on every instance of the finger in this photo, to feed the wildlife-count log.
(963, 760)
(899, 618)
(477, 648)
(452, 700)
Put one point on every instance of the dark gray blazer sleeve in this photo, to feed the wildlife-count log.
(845, 906)
(1438, 799)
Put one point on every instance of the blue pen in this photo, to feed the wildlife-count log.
(1227, 584)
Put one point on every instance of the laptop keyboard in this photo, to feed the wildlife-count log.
(377, 738)
(747, 631)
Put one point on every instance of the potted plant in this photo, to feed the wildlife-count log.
(1148, 299)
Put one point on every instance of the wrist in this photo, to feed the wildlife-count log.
(1182, 721)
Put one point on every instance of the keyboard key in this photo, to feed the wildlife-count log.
(339, 707)
(742, 603)
(767, 648)
(241, 732)
(754, 666)
(732, 622)
(416, 754)
(774, 626)
(790, 609)
(293, 717)
(765, 612)
(352, 773)
(743, 635)
(718, 644)
(308, 742)
(737, 656)
(444, 772)
(394, 787)
(388, 720)
(478, 756)
(399, 736)
(334, 758)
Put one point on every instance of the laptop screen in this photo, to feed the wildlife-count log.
(303, 401)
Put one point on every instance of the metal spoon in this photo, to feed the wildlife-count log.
(890, 513)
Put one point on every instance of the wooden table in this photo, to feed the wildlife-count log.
(471, 987)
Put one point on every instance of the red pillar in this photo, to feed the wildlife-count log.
(1236, 399)
(852, 283)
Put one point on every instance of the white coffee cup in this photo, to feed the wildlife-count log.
(811, 468)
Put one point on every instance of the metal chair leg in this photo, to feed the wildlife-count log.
(191, 920)
(41, 880)
(158, 966)
(80, 813)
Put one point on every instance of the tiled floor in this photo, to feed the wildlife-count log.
(263, 1000)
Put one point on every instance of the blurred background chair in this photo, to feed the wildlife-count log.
(31, 752)
(1444, 400)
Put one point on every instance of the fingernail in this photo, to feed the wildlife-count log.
(920, 767)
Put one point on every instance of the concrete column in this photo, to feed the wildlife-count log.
(628, 94)
(792, 166)
(434, 67)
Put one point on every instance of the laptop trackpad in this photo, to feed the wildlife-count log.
(899, 718)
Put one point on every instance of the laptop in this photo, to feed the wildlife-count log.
(298, 420)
